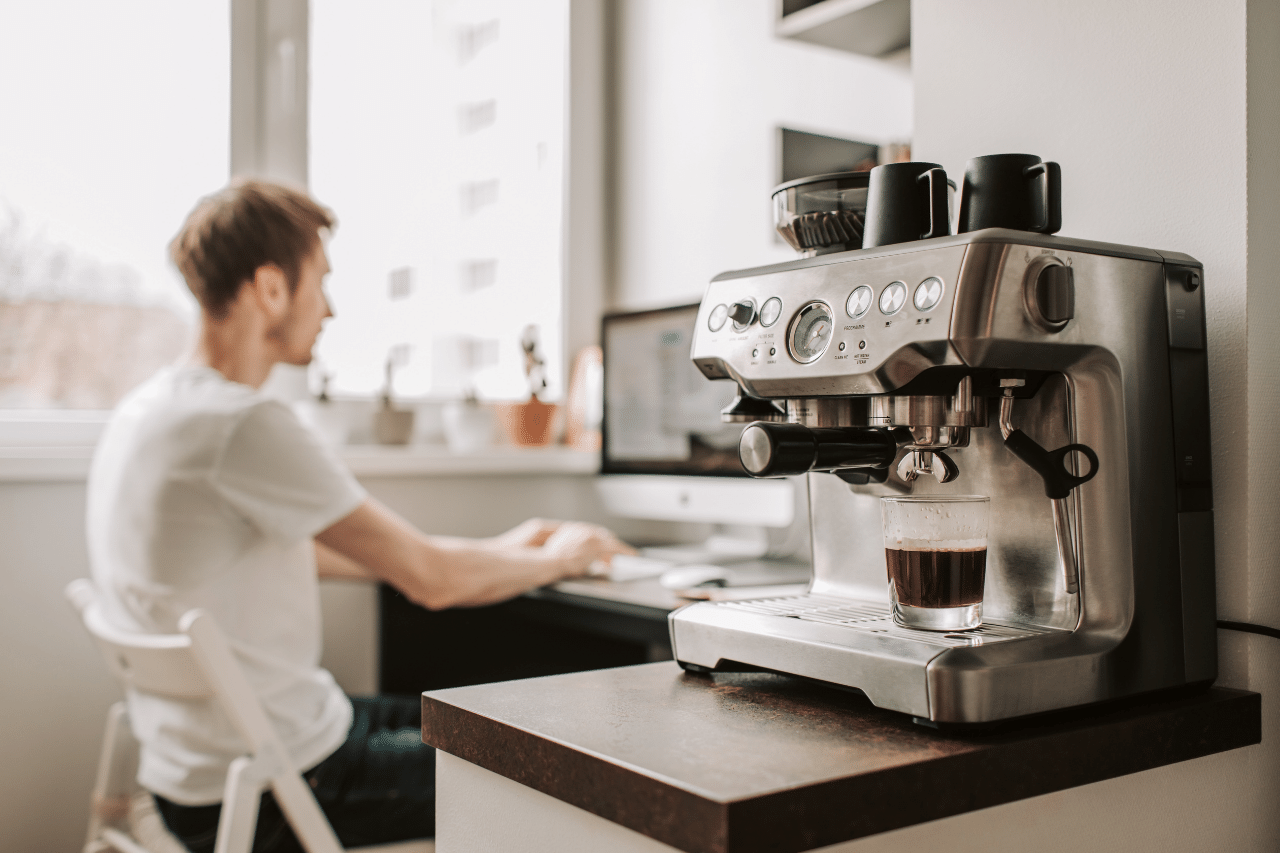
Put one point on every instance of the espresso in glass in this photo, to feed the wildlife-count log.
(936, 556)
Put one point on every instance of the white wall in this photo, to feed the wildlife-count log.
(1165, 134)
(702, 86)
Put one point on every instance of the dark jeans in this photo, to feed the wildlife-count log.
(379, 787)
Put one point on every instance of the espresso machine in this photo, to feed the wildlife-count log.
(1065, 379)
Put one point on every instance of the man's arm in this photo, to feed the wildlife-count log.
(441, 572)
(333, 566)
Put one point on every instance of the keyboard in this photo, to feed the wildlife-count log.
(633, 567)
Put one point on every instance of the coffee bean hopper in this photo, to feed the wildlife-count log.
(822, 213)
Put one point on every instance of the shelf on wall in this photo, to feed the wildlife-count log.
(867, 27)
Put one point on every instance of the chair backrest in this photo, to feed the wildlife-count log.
(153, 663)
(194, 664)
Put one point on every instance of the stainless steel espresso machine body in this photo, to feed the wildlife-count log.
(919, 367)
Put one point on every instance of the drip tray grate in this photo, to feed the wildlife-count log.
(867, 618)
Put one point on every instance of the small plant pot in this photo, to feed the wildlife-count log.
(392, 426)
(528, 424)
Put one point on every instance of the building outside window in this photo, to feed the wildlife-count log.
(437, 134)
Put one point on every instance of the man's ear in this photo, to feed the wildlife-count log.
(269, 288)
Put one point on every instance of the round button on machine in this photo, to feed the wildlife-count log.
(928, 293)
(859, 302)
(893, 297)
(770, 311)
(717, 318)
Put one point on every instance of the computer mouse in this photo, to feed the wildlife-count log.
(684, 577)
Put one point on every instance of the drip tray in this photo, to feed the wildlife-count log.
(868, 618)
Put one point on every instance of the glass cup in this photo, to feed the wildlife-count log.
(936, 550)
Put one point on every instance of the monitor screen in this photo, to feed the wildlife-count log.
(661, 415)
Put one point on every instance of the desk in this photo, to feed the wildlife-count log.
(571, 626)
(567, 627)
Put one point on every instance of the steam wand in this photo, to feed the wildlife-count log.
(1058, 481)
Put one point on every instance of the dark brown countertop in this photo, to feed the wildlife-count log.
(756, 762)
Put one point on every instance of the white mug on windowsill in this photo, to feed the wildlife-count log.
(468, 426)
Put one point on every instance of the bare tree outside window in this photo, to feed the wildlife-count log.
(75, 332)
(114, 120)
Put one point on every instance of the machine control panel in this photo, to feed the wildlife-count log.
(837, 327)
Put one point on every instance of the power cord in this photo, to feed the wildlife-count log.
(1250, 628)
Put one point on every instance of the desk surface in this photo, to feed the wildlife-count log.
(646, 593)
(650, 597)
(631, 610)
(754, 762)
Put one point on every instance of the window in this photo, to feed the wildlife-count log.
(435, 130)
(437, 135)
(113, 121)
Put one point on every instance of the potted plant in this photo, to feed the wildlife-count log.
(532, 422)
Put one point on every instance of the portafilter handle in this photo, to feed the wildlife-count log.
(779, 450)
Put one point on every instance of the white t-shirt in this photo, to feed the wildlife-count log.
(205, 493)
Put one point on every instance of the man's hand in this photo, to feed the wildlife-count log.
(582, 546)
(527, 534)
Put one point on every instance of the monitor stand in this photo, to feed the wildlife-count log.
(728, 544)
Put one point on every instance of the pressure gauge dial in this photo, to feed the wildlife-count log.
(811, 331)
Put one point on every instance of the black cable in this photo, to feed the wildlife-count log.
(1250, 628)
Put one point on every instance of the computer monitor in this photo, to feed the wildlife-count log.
(666, 455)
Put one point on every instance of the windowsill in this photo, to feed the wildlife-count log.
(372, 460)
(57, 446)
(70, 463)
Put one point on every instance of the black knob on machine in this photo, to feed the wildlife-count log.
(742, 313)
(1056, 293)
(777, 450)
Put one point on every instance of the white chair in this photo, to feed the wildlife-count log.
(194, 664)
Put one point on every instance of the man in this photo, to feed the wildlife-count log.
(205, 493)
